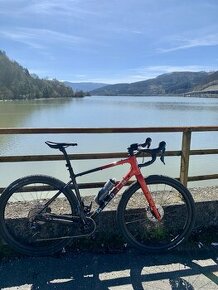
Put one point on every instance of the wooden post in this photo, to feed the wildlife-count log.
(186, 144)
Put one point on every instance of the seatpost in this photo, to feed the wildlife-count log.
(68, 164)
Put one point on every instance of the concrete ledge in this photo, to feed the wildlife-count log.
(206, 216)
(108, 231)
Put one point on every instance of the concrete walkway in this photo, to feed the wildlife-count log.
(196, 269)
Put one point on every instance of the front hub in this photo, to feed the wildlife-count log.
(151, 216)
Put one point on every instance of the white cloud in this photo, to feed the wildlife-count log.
(72, 8)
(179, 43)
(40, 38)
(149, 72)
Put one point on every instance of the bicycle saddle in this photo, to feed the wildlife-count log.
(56, 145)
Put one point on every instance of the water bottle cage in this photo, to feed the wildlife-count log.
(102, 194)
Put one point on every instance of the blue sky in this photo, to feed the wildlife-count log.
(110, 41)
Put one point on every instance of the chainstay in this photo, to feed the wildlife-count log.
(72, 236)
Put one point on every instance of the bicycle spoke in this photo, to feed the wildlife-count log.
(139, 224)
(26, 215)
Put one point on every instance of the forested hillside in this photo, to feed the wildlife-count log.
(209, 83)
(17, 83)
(175, 83)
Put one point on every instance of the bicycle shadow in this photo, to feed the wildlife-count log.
(127, 270)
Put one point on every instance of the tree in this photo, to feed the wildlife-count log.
(17, 83)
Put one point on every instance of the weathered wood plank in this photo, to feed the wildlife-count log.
(84, 156)
(186, 145)
(105, 130)
(93, 185)
(87, 156)
(203, 177)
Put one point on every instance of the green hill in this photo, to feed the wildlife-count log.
(17, 83)
(175, 83)
(210, 83)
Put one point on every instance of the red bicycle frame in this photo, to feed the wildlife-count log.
(134, 171)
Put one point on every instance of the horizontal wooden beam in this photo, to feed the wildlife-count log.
(84, 156)
(105, 130)
(91, 185)
(87, 156)
(203, 177)
(203, 151)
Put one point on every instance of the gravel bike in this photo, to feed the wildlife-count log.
(40, 215)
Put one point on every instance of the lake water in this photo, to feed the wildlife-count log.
(106, 112)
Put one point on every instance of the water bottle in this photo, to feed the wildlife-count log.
(105, 190)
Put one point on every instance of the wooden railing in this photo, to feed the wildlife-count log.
(185, 151)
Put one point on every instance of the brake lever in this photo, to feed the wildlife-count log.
(147, 143)
(162, 159)
(162, 148)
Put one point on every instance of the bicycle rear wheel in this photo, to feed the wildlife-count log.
(19, 204)
(137, 223)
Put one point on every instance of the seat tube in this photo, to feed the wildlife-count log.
(73, 179)
(148, 195)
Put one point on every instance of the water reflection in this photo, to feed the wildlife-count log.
(17, 113)
(25, 114)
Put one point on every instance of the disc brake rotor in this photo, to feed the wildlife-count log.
(151, 216)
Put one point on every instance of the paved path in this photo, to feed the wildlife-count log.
(184, 270)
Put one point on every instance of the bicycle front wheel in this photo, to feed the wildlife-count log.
(23, 228)
(139, 226)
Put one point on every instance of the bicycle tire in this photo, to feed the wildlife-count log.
(19, 201)
(139, 227)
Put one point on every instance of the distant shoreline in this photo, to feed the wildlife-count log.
(162, 95)
(118, 95)
(40, 99)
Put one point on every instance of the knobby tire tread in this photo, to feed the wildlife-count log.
(156, 179)
(8, 192)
